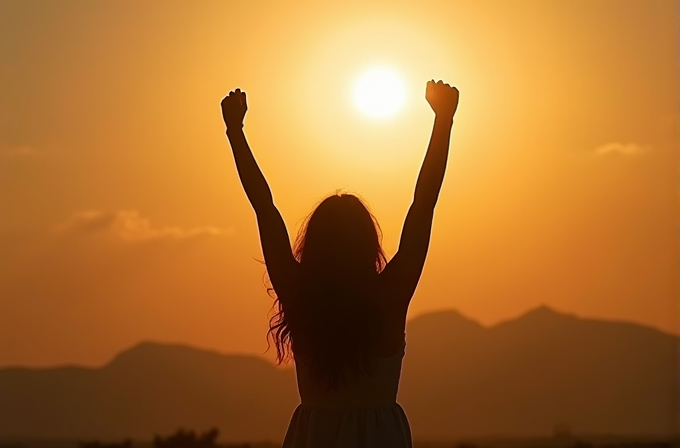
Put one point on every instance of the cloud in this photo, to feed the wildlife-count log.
(626, 149)
(130, 225)
(99, 280)
(20, 151)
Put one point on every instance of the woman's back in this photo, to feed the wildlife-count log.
(377, 389)
(363, 412)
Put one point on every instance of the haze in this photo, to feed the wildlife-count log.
(123, 218)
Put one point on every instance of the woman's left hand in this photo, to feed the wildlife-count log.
(234, 108)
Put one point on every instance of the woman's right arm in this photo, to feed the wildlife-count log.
(402, 273)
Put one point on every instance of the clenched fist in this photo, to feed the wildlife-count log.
(442, 98)
(234, 108)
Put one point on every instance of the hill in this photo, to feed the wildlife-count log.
(518, 378)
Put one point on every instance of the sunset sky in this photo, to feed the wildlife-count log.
(122, 217)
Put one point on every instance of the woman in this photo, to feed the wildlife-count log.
(341, 308)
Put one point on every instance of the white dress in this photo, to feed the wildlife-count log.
(364, 414)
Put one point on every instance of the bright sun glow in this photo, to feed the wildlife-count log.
(379, 93)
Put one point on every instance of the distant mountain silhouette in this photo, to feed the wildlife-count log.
(150, 388)
(518, 378)
(523, 376)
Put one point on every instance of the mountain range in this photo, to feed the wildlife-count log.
(521, 377)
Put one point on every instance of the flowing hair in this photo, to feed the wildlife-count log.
(334, 312)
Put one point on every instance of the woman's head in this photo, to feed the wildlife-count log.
(340, 236)
(334, 312)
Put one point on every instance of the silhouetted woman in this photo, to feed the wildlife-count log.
(341, 308)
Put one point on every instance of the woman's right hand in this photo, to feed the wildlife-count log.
(442, 98)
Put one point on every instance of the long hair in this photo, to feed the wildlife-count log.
(335, 312)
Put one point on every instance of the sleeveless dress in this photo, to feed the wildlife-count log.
(364, 414)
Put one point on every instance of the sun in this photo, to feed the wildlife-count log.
(379, 92)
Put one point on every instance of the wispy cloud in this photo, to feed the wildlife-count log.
(131, 225)
(626, 149)
(20, 151)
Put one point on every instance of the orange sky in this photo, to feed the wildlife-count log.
(123, 218)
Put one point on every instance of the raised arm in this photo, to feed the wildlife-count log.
(402, 273)
(278, 256)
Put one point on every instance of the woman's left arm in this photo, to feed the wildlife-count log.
(234, 108)
(278, 255)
